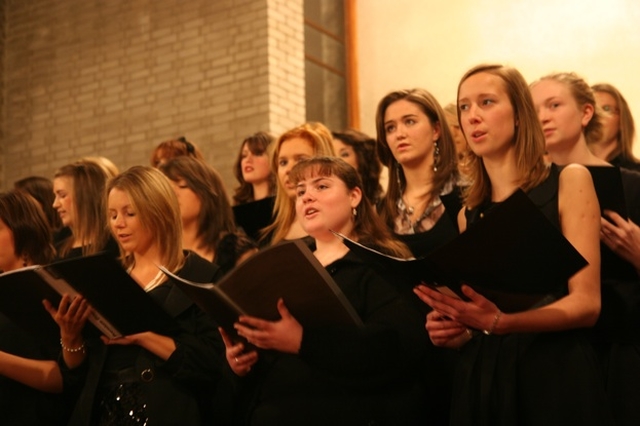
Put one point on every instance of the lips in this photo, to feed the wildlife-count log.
(248, 169)
(478, 135)
(548, 131)
(310, 211)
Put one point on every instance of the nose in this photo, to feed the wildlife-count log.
(118, 221)
(473, 114)
(543, 117)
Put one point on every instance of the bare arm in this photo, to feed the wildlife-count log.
(42, 375)
(157, 344)
(580, 222)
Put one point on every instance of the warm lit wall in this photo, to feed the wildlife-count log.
(430, 44)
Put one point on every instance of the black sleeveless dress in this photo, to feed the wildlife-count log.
(529, 378)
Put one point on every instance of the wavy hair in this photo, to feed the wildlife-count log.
(258, 144)
(627, 132)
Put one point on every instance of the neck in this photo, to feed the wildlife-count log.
(503, 175)
(260, 190)
(605, 150)
(295, 231)
(329, 248)
(191, 241)
(418, 181)
(577, 153)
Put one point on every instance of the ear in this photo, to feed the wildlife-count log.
(437, 129)
(587, 114)
(356, 197)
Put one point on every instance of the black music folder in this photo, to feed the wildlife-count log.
(120, 306)
(514, 256)
(289, 271)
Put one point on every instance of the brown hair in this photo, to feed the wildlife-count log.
(528, 136)
(31, 232)
(174, 148)
(216, 216)
(258, 144)
(369, 165)
(41, 189)
(368, 227)
(627, 131)
(447, 169)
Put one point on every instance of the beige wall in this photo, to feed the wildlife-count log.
(117, 77)
(431, 43)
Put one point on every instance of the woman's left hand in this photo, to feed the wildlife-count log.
(284, 335)
(477, 313)
(622, 237)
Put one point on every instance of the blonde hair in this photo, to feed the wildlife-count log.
(153, 199)
(89, 229)
(284, 212)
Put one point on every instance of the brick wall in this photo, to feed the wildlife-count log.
(115, 78)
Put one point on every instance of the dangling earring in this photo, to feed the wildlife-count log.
(354, 212)
(436, 156)
(398, 175)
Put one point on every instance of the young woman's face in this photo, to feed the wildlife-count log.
(486, 114)
(610, 118)
(190, 204)
(8, 259)
(125, 223)
(324, 203)
(561, 118)
(255, 167)
(409, 133)
(346, 152)
(64, 200)
(291, 152)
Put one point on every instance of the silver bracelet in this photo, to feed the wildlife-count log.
(72, 350)
(493, 326)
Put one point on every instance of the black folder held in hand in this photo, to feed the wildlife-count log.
(514, 256)
(289, 271)
(120, 306)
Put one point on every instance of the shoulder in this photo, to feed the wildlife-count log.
(574, 176)
(198, 269)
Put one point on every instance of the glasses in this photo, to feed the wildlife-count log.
(611, 110)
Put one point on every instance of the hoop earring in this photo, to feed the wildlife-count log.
(436, 156)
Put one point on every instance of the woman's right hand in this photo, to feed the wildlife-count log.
(446, 332)
(71, 316)
(239, 361)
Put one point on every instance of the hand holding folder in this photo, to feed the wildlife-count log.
(120, 306)
(289, 271)
(513, 256)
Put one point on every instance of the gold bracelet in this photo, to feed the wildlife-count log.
(493, 326)
(72, 350)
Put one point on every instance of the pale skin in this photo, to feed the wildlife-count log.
(558, 110)
(411, 136)
(485, 105)
(138, 240)
(322, 204)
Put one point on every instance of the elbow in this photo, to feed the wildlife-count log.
(591, 314)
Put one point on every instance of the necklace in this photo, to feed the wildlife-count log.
(408, 211)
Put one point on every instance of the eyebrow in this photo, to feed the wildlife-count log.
(404, 116)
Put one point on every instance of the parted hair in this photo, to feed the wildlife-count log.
(155, 203)
(447, 169)
(216, 217)
(258, 144)
(626, 135)
(90, 226)
(319, 136)
(32, 238)
(368, 228)
(528, 137)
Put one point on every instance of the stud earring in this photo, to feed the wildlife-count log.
(354, 212)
